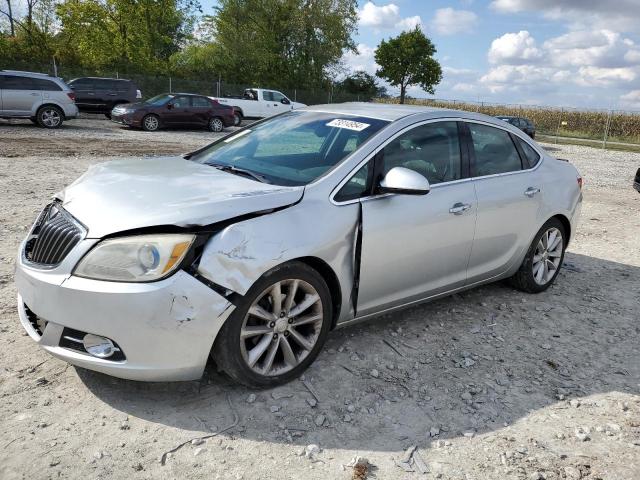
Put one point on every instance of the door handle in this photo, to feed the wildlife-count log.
(531, 192)
(459, 208)
(34, 94)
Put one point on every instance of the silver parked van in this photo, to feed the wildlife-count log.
(44, 99)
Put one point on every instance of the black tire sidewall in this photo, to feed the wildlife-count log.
(49, 107)
(226, 350)
(237, 118)
(528, 263)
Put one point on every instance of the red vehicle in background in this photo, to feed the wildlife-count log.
(174, 110)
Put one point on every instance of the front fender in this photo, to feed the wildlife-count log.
(241, 253)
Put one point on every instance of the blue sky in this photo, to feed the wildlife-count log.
(573, 53)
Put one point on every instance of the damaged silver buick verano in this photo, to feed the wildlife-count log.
(255, 247)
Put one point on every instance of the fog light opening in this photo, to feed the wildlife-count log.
(98, 346)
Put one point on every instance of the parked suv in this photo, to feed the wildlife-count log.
(45, 100)
(523, 124)
(100, 95)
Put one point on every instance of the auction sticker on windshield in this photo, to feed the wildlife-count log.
(348, 124)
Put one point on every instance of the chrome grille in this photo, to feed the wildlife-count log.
(53, 236)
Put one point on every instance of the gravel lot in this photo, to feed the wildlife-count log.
(488, 384)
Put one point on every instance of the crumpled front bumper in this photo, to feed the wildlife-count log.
(165, 329)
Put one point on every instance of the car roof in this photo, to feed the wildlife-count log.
(394, 112)
(103, 78)
(27, 74)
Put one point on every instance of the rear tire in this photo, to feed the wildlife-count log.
(267, 342)
(215, 125)
(49, 116)
(237, 118)
(150, 123)
(544, 258)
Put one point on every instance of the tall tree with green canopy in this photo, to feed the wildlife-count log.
(285, 43)
(408, 60)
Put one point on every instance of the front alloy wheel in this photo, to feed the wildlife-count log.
(281, 327)
(150, 123)
(278, 328)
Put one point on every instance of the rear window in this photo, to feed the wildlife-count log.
(47, 85)
(532, 157)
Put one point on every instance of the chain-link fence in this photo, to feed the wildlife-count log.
(615, 129)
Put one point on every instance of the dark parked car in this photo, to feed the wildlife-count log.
(636, 181)
(523, 124)
(175, 110)
(100, 95)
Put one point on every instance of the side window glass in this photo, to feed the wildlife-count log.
(181, 102)
(530, 154)
(356, 187)
(432, 150)
(14, 82)
(277, 96)
(200, 102)
(46, 85)
(495, 152)
(267, 95)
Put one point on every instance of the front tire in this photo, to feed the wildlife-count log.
(237, 118)
(216, 125)
(49, 116)
(544, 259)
(150, 123)
(278, 329)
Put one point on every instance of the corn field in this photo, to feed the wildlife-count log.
(606, 126)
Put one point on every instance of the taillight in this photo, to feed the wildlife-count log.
(72, 96)
(580, 183)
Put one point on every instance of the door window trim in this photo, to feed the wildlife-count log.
(464, 162)
(511, 134)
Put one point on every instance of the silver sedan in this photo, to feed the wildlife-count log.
(255, 247)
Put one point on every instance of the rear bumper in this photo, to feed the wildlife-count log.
(165, 329)
(71, 111)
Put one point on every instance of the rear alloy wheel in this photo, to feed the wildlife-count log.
(279, 329)
(150, 123)
(544, 259)
(49, 117)
(216, 125)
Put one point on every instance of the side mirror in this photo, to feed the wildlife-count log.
(169, 106)
(405, 181)
(285, 101)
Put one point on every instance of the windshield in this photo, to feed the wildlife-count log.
(294, 148)
(159, 100)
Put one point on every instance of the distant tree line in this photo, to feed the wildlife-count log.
(280, 43)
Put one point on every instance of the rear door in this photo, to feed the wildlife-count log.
(19, 94)
(508, 193)
(201, 110)
(84, 88)
(416, 246)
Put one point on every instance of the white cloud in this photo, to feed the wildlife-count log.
(386, 17)
(624, 14)
(465, 87)
(603, 48)
(514, 49)
(362, 60)
(448, 21)
(598, 76)
(631, 99)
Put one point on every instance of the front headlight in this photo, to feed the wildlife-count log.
(142, 258)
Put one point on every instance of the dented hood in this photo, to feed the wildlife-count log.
(134, 193)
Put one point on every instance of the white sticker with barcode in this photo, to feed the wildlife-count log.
(348, 124)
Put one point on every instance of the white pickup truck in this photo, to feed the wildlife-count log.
(258, 103)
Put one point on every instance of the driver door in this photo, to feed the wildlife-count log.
(416, 246)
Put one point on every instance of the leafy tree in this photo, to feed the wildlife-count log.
(408, 60)
(285, 43)
(363, 84)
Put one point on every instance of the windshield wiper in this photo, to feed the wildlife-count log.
(240, 171)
